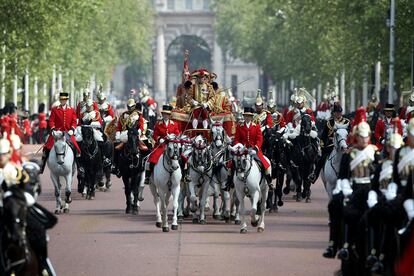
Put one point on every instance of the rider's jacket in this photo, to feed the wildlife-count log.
(277, 120)
(359, 165)
(328, 131)
(291, 114)
(383, 175)
(162, 129)
(264, 119)
(106, 111)
(81, 108)
(404, 169)
(62, 118)
(250, 135)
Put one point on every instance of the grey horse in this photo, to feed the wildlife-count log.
(61, 165)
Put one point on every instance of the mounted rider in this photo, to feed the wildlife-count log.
(278, 122)
(407, 112)
(62, 118)
(250, 135)
(123, 123)
(327, 137)
(323, 111)
(162, 128)
(263, 117)
(83, 105)
(385, 126)
(300, 108)
(350, 195)
(105, 109)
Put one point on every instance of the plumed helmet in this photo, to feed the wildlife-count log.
(362, 129)
(89, 103)
(130, 103)
(271, 103)
(293, 98)
(395, 140)
(259, 99)
(300, 99)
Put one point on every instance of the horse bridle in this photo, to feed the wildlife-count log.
(95, 149)
(175, 156)
(132, 157)
(240, 166)
(195, 163)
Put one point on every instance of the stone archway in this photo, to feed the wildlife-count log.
(200, 57)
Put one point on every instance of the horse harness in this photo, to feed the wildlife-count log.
(169, 162)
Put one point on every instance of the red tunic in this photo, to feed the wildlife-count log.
(160, 132)
(42, 120)
(63, 119)
(251, 137)
(80, 112)
(380, 129)
(15, 125)
(280, 121)
(291, 114)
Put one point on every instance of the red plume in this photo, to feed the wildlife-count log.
(360, 116)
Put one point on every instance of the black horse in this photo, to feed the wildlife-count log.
(303, 157)
(132, 169)
(91, 160)
(274, 148)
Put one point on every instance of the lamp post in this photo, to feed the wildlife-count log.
(392, 40)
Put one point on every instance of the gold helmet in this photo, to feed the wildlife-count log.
(130, 103)
(271, 103)
(363, 129)
(259, 99)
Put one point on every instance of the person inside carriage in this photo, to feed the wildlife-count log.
(327, 137)
(162, 128)
(62, 118)
(250, 135)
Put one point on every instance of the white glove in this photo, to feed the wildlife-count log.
(252, 152)
(409, 208)
(107, 119)
(70, 132)
(117, 135)
(338, 187)
(161, 141)
(205, 105)
(139, 132)
(391, 192)
(313, 134)
(195, 103)
(372, 199)
(346, 187)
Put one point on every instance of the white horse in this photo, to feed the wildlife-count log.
(165, 181)
(200, 171)
(61, 166)
(332, 164)
(220, 172)
(249, 181)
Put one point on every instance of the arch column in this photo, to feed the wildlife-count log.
(218, 63)
(160, 70)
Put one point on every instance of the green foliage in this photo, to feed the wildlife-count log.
(81, 36)
(313, 40)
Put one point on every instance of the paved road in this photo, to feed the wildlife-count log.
(97, 238)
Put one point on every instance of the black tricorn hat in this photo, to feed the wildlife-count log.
(166, 108)
(248, 111)
(389, 107)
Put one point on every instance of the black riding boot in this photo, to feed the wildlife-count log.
(148, 173)
(269, 179)
(44, 159)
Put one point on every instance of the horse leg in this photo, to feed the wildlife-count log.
(157, 203)
(254, 199)
(108, 182)
(68, 192)
(240, 196)
(175, 194)
(225, 197)
(56, 184)
(164, 210)
(278, 191)
(203, 200)
(193, 197)
(127, 186)
(141, 187)
(134, 189)
(180, 208)
(216, 208)
(264, 193)
(269, 203)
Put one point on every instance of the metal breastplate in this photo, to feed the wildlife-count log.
(361, 174)
(386, 174)
(409, 167)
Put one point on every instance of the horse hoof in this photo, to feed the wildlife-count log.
(243, 231)
(254, 223)
(275, 210)
(68, 200)
(202, 221)
(280, 203)
(270, 210)
(91, 197)
(298, 198)
(101, 184)
(232, 217)
(66, 210)
(193, 209)
(57, 211)
(237, 222)
(217, 217)
(140, 198)
(174, 227)
(135, 212)
(195, 220)
(308, 200)
(180, 218)
(227, 220)
(260, 230)
(165, 229)
(158, 224)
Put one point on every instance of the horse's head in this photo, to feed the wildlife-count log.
(132, 142)
(60, 146)
(14, 215)
(173, 152)
(33, 185)
(340, 136)
(201, 152)
(306, 125)
(218, 133)
(241, 157)
(87, 135)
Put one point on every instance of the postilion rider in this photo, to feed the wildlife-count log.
(62, 118)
